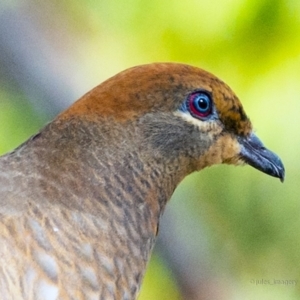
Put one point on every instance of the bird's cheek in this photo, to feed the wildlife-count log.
(225, 149)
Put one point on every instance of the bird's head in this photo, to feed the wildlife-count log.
(179, 112)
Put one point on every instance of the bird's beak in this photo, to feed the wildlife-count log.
(254, 153)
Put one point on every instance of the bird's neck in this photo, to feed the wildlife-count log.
(109, 191)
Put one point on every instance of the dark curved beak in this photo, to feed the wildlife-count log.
(254, 153)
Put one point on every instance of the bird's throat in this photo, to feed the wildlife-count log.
(104, 209)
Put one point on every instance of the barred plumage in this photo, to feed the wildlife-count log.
(80, 202)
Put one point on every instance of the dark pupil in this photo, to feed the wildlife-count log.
(201, 103)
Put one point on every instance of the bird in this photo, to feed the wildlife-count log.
(81, 200)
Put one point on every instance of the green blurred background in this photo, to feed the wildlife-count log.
(228, 232)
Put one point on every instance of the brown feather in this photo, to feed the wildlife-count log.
(80, 202)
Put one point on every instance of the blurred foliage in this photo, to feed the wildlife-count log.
(17, 121)
(251, 220)
(157, 283)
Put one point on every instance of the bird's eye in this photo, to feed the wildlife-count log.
(200, 104)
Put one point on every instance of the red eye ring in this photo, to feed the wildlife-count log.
(199, 104)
